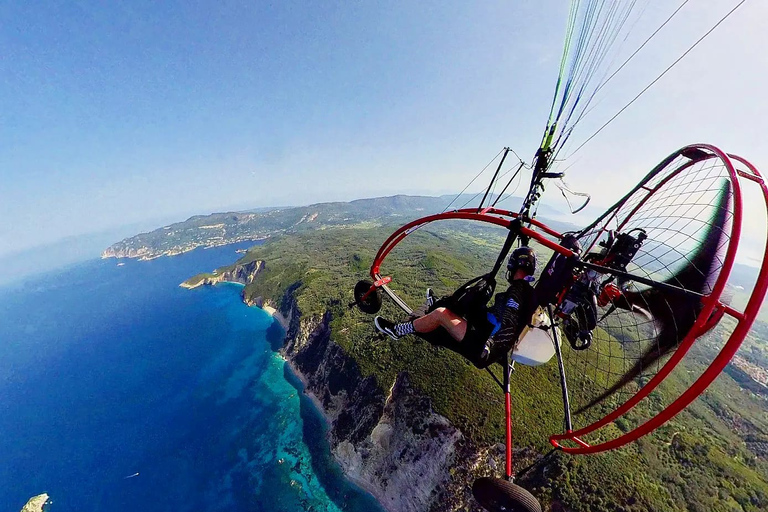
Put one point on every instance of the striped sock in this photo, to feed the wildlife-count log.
(404, 328)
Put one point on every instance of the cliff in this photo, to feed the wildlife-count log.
(392, 444)
(384, 429)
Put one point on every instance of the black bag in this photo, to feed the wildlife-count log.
(471, 298)
(557, 274)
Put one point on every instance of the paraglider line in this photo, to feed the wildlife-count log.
(473, 180)
(605, 82)
(471, 199)
(625, 107)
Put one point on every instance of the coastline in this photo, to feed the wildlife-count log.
(365, 486)
(265, 306)
(274, 313)
(318, 406)
(309, 394)
(350, 457)
(145, 254)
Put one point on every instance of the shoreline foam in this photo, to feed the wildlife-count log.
(277, 316)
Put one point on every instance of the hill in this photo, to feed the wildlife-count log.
(226, 228)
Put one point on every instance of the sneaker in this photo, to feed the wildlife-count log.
(430, 298)
(486, 351)
(384, 326)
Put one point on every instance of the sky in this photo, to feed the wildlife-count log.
(118, 113)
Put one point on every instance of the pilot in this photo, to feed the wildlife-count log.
(482, 335)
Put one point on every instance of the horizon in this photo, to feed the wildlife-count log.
(75, 249)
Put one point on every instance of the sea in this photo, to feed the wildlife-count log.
(121, 391)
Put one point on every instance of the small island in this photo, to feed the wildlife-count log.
(36, 503)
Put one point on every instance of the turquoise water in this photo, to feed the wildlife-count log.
(107, 371)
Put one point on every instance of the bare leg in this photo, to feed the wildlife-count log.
(442, 317)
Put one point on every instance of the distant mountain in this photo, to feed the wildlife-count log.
(225, 228)
(744, 276)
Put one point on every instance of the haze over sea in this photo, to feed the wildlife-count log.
(107, 371)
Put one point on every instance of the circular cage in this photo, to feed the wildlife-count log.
(690, 211)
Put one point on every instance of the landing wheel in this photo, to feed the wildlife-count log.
(497, 495)
(370, 304)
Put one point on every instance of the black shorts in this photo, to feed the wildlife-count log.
(478, 332)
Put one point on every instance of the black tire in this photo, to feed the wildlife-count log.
(372, 303)
(497, 495)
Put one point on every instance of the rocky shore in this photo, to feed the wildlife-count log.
(241, 274)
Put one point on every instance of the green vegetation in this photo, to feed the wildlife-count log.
(711, 457)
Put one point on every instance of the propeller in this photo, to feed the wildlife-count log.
(674, 313)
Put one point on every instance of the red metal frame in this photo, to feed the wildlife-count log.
(703, 323)
(710, 301)
(377, 284)
(508, 407)
(501, 218)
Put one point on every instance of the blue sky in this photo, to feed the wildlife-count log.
(126, 112)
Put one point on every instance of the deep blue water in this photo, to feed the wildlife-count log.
(107, 371)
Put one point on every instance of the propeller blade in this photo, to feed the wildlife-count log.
(674, 314)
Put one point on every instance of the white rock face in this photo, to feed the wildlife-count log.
(409, 453)
(395, 446)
